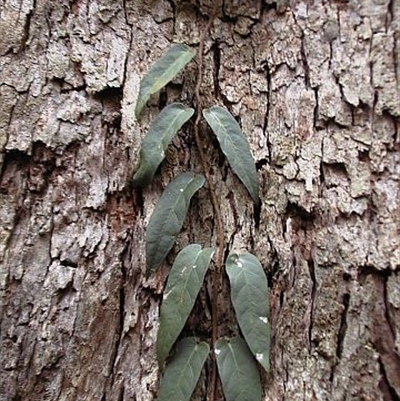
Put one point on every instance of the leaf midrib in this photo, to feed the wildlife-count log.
(172, 208)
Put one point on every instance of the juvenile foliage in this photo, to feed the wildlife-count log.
(235, 147)
(237, 370)
(160, 134)
(183, 371)
(184, 283)
(162, 72)
(249, 294)
(236, 360)
(168, 217)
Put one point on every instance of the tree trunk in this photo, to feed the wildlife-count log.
(315, 87)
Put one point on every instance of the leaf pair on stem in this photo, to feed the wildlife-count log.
(235, 357)
(231, 139)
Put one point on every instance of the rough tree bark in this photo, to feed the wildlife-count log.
(315, 86)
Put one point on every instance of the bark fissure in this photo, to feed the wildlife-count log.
(314, 283)
(267, 113)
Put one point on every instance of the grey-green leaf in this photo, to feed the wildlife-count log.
(238, 371)
(183, 370)
(168, 217)
(166, 68)
(160, 134)
(250, 299)
(235, 147)
(184, 283)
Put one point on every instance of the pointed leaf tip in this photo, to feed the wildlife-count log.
(184, 282)
(167, 219)
(235, 147)
(250, 299)
(165, 69)
(155, 143)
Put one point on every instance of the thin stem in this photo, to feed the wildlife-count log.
(214, 201)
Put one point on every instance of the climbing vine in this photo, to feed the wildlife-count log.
(236, 358)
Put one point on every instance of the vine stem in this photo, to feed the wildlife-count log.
(214, 201)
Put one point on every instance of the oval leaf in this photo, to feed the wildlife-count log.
(183, 371)
(238, 371)
(235, 147)
(163, 71)
(250, 299)
(160, 134)
(184, 283)
(168, 217)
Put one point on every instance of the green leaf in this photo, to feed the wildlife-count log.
(183, 371)
(250, 299)
(235, 147)
(238, 371)
(168, 217)
(163, 71)
(160, 134)
(184, 283)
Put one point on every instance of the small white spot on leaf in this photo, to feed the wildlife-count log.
(259, 357)
(264, 319)
(194, 267)
(217, 351)
(181, 189)
(239, 264)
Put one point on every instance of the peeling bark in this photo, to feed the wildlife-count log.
(314, 85)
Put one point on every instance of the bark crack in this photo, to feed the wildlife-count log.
(341, 335)
(216, 51)
(266, 115)
(311, 269)
(125, 255)
(384, 342)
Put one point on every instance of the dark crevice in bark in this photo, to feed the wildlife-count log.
(216, 52)
(336, 169)
(257, 215)
(306, 67)
(311, 269)
(138, 199)
(391, 324)
(12, 157)
(229, 19)
(68, 263)
(274, 269)
(125, 257)
(389, 394)
(389, 15)
(322, 178)
(65, 87)
(261, 163)
(280, 6)
(266, 115)
(368, 270)
(173, 8)
(27, 27)
(162, 99)
(299, 213)
(384, 339)
(396, 36)
(343, 326)
(316, 109)
(110, 92)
